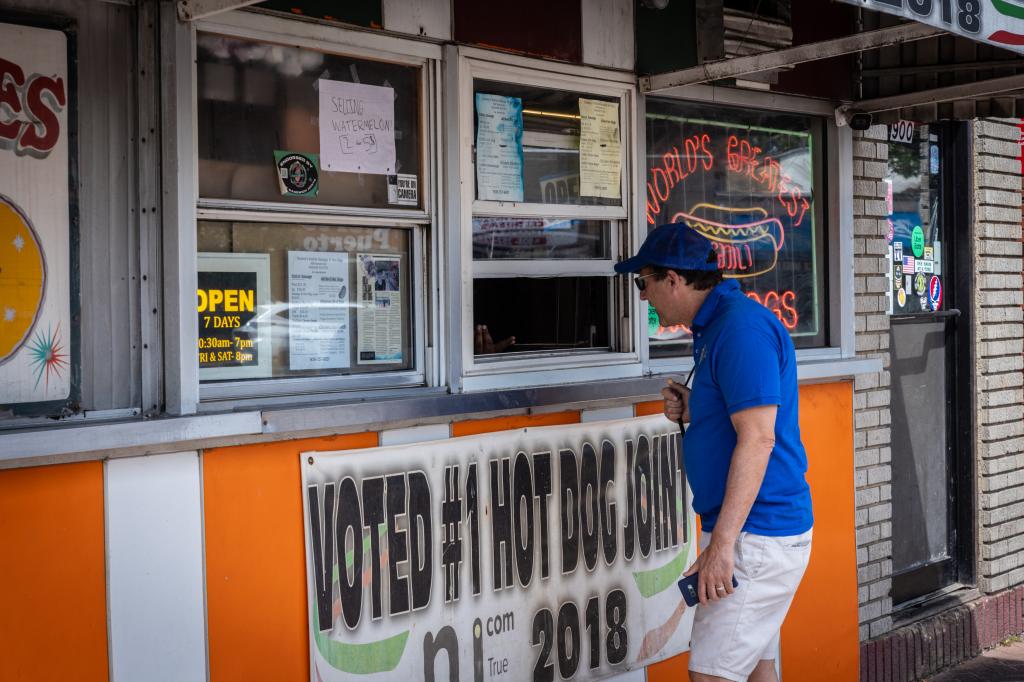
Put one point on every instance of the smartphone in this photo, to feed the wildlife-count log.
(688, 586)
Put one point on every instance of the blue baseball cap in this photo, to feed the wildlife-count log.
(677, 246)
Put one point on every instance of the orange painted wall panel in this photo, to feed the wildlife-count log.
(820, 639)
(475, 426)
(255, 558)
(53, 620)
(818, 642)
(644, 409)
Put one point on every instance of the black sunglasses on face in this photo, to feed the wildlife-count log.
(641, 282)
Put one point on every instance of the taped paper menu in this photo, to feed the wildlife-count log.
(499, 148)
(318, 293)
(357, 128)
(380, 309)
(600, 149)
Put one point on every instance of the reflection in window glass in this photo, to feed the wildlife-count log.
(914, 205)
(255, 99)
(751, 182)
(527, 238)
(548, 168)
(294, 300)
(544, 314)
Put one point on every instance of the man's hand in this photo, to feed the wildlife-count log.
(483, 344)
(677, 402)
(715, 564)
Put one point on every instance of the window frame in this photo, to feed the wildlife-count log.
(467, 373)
(837, 169)
(186, 394)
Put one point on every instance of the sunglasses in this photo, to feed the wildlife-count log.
(641, 282)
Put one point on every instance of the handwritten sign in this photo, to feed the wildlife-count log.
(513, 553)
(357, 128)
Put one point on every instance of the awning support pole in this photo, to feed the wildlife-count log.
(950, 93)
(766, 61)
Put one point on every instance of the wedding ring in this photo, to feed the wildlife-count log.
(719, 588)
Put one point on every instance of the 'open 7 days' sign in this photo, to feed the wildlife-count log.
(997, 22)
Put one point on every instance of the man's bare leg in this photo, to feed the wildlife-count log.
(764, 672)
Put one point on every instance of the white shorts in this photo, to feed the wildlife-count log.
(731, 635)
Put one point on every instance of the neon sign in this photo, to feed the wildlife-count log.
(674, 169)
(742, 158)
(781, 304)
(733, 240)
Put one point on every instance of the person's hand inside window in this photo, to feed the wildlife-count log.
(483, 344)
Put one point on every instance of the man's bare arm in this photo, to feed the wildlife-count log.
(755, 439)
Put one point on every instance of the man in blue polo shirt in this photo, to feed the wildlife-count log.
(744, 459)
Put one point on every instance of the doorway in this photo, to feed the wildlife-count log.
(929, 206)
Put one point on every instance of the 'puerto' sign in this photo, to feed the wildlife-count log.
(997, 22)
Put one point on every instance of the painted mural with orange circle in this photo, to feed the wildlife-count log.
(22, 278)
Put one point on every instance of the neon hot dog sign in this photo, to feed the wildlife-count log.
(748, 239)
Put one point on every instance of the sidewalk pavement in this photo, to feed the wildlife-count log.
(1001, 664)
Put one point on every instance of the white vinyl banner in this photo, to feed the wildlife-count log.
(997, 22)
(537, 554)
(35, 267)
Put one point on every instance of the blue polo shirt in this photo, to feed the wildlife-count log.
(744, 358)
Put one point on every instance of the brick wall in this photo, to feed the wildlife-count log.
(918, 651)
(999, 344)
(872, 451)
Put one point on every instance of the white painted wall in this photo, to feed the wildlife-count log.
(608, 34)
(431, 18)
(415, 434)
(602, 414)
(155, 588)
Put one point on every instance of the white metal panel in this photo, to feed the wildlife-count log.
(431, 18)
(178, 162)
(608, 33)
(415, 434)
(156, 598)
(603, 414)
(107, 228)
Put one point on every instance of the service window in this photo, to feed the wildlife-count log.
(312, 218)
(753, 183)
(549, 200)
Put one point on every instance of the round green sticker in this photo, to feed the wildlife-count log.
(917, 241)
